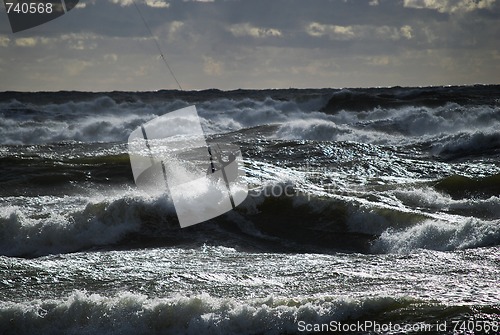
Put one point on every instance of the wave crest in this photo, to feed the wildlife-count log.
(99, 223)
(439, 235)
(129, 313)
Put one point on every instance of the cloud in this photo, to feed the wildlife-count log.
(79, 41)
(83, 45)
(4, 41)
(334, 32)
(26, 42)
(76, 67)
(247, 29)
(122, 3)
(450, 6)
(358, 32)
(406, 31)
(111, 57)
(377, 60)
(149, 3)
(173, 29)
(256, 43)
(212, 67)
(157, 4)
(318, 67)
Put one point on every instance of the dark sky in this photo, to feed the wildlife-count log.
(103, 45)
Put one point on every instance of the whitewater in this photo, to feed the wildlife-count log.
(377, 204)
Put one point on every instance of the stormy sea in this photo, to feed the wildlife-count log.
(370, 211)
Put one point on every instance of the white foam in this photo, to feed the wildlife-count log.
(100, 222)
(98, 120)
(440, 235)
(432, 200)
(102, 119)
(129, 313)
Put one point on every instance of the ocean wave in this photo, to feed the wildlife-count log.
(130, 313)
(466, 144)
(98, 120)
(436, 199)
(313, 129)
(111, 117)
(396, 97)
(261, 223)
(440, 235)
(39, 176)
(99, 223)
(318, 129)
(104, 119)
(265, 221)
(443, 130)
(464, 187)
(279, 218)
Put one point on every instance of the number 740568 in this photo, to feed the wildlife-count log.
(29, 8)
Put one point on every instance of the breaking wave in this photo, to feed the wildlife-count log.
(298, 223)
(438, 235)
(56, 144)
(448, 122)
(99, 223)
(129, 313)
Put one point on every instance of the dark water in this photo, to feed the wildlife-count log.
(366, 205)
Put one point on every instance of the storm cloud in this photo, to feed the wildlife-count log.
(104, 45)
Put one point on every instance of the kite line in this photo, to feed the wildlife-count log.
(162, 55)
